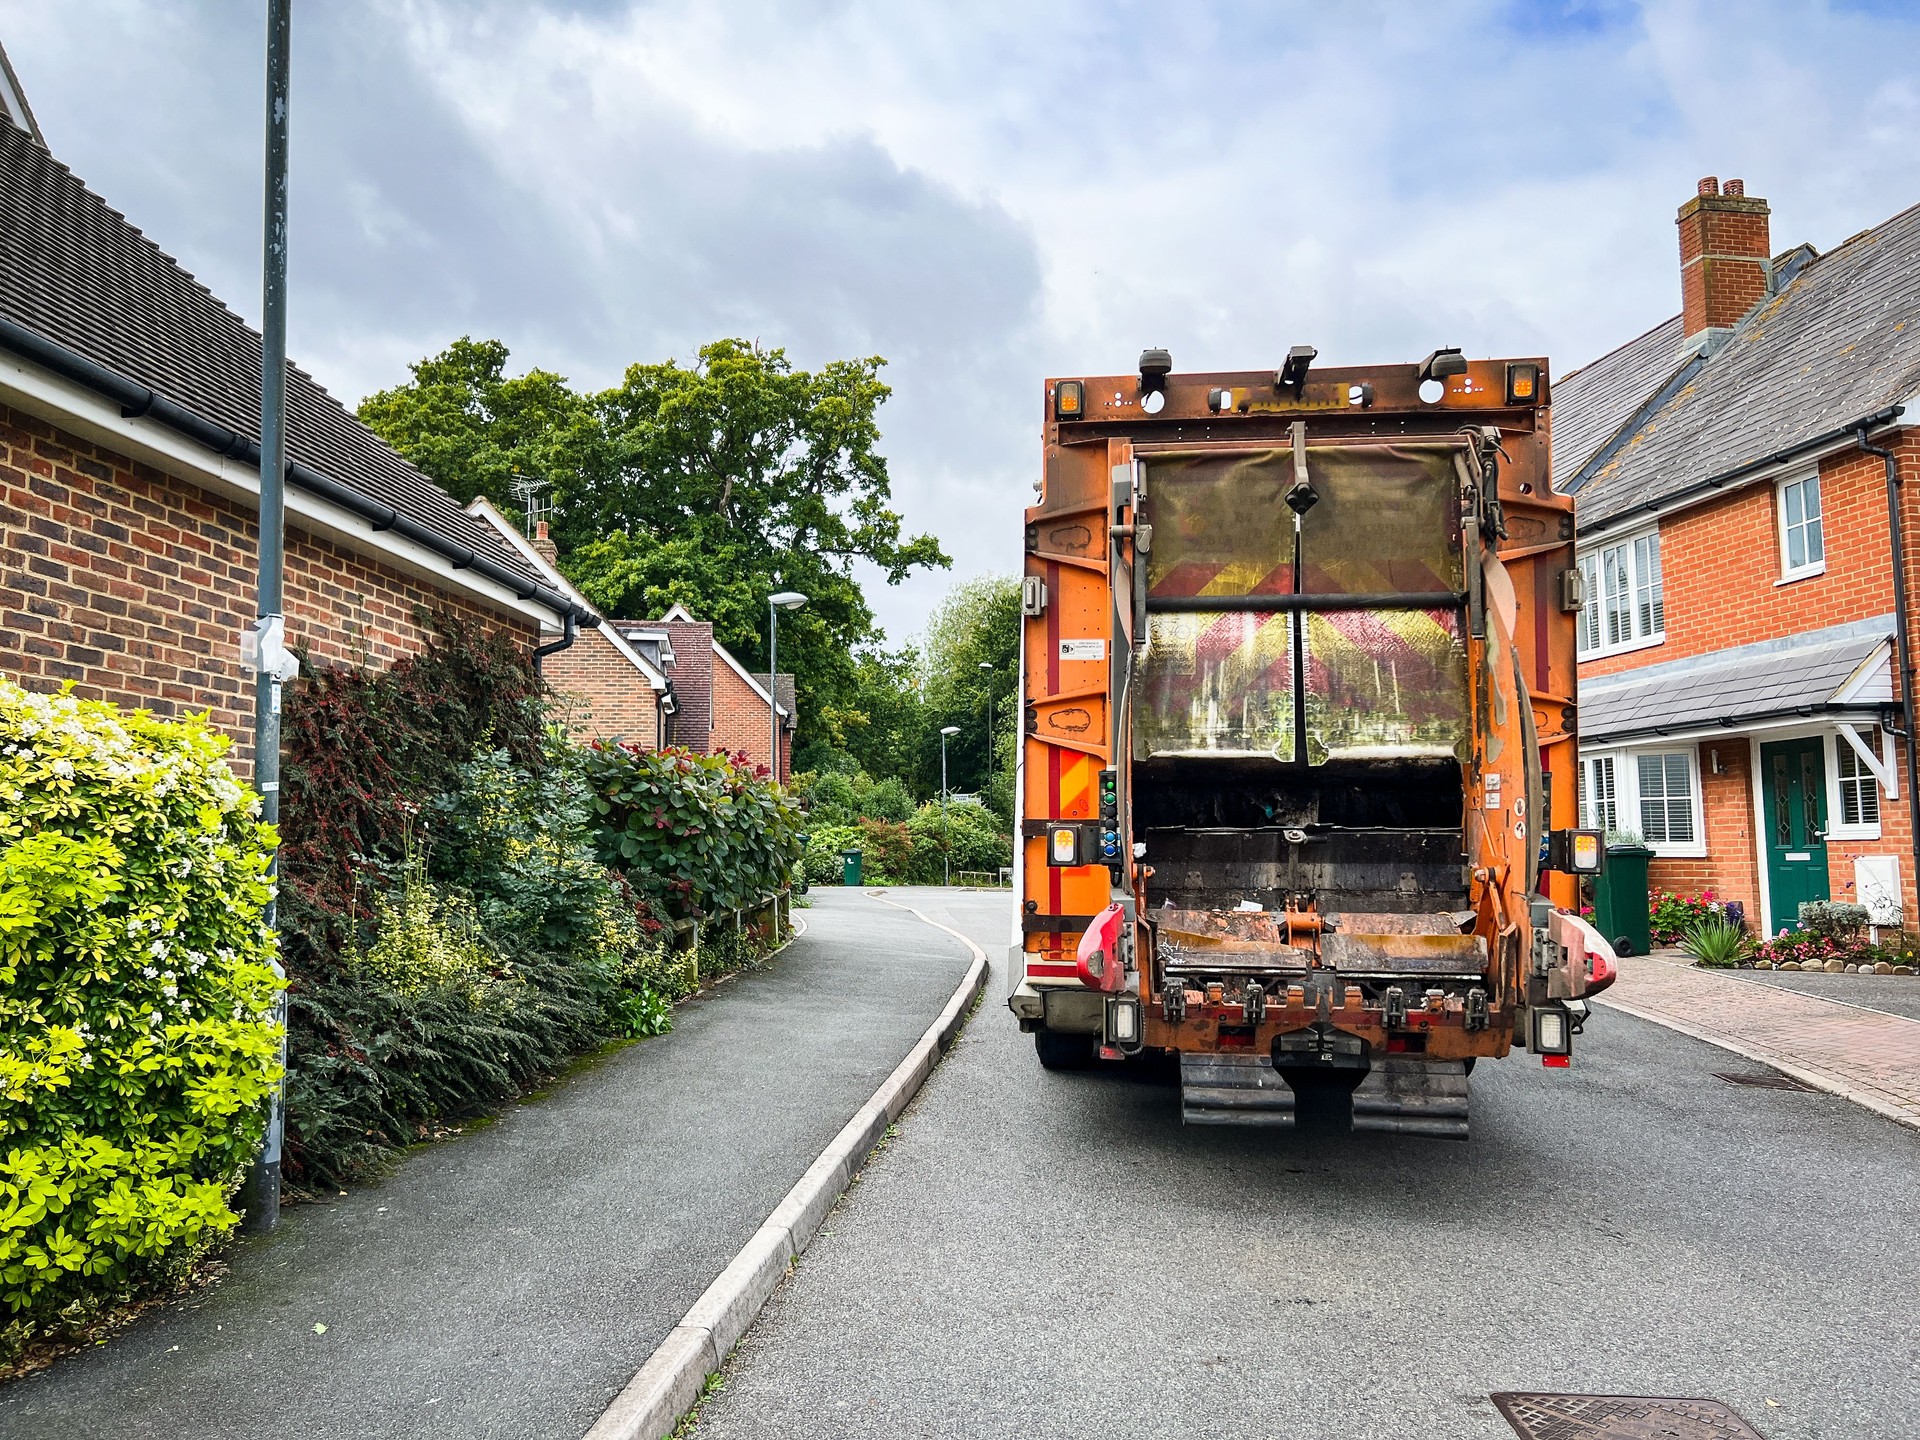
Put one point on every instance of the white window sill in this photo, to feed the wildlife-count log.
(1854, 832)
(1607, 651)
(1663, 851)
(1794, 577)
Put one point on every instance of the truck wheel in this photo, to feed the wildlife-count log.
(1060, 1050)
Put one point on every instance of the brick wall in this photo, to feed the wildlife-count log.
(602, 695)
(135, 585)
(1730, 868)
(742, 719)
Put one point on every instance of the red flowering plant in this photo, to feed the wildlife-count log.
(1672, 915)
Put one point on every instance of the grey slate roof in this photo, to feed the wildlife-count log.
(783, 692)
(1726, 687)
(1592, 403)
(1841, 340)
(76, 272)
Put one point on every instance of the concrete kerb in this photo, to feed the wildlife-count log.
(666, 1386)
(1818, 1079)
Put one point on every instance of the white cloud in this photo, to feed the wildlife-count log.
(984, 192)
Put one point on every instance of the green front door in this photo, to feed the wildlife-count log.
(1793, 792)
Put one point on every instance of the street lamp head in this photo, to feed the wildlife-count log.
(949, 729)
(787, 599)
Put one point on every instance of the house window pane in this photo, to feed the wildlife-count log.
(1666, 798)
(1805, 544)
(1590, 612)
(1650, 611)
(1599, 801)
(1859, 791)
(1618, 608)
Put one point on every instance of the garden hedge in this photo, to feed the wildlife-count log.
(137, 1036)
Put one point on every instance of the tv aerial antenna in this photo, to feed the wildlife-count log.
(535, 503)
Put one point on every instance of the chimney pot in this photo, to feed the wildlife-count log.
(543, 543)
(1735, 187)
(1710, 186)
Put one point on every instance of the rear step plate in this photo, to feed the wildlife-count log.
(1407, 1096)
(1233, 1090)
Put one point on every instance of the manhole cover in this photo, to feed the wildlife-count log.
(1775, 1081)
(1621, 1417)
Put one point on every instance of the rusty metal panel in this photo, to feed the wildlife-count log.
(1425, 955)
(1623, 1417)
(1192, 941)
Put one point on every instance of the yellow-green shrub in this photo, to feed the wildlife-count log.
(137, 1041)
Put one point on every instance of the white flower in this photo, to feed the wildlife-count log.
(158, 949)
(150, 972)
(62, 768)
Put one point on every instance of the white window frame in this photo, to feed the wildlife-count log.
(1590, 818)
(1626, 789)
(1886, 776)
(1789, 572)
(1632, 552)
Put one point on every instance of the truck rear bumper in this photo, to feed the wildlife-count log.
(1069, 1008)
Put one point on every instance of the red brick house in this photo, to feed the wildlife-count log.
(129, 482)
(606, 687)
(721, 705)
(1746, 703)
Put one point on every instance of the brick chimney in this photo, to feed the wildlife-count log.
(544, 543)
(1725, 250)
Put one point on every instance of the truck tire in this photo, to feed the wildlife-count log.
(1063, 1050)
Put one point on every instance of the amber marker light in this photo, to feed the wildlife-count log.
(1523, 384)
(1069, 400)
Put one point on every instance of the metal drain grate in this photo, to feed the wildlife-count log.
(1775, 1081)
(1620, 1417)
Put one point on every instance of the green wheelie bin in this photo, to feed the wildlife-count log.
(1620, 906)
(850, 867)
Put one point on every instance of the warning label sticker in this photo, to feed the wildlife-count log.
(1083, 649)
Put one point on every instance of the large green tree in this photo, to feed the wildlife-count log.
(479, 431)
(711, 484)
(971, 652)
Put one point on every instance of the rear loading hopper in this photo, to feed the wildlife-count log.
(1298, 670)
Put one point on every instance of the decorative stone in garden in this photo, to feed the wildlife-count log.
(1763, 964)
(1834, 967)
(1882, 967)
(1789, 964)
(1903, 969)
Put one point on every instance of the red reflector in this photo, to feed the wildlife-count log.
(1557, 1062)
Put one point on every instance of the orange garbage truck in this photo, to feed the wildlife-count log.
(1297, 773)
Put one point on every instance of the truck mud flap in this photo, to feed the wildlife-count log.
(1409, 1096)
(1233, 1090)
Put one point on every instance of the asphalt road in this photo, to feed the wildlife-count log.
(1043, 1255)
(507, 1284)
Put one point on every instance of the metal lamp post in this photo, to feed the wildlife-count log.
(946, 835)
(776, 602)
(264, 646)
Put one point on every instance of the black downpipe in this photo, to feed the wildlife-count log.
(137, 400)
(567, 634)
(1902, 643)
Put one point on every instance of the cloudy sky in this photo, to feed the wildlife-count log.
(983, 193)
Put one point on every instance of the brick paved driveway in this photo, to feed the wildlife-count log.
(1868, 1056)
